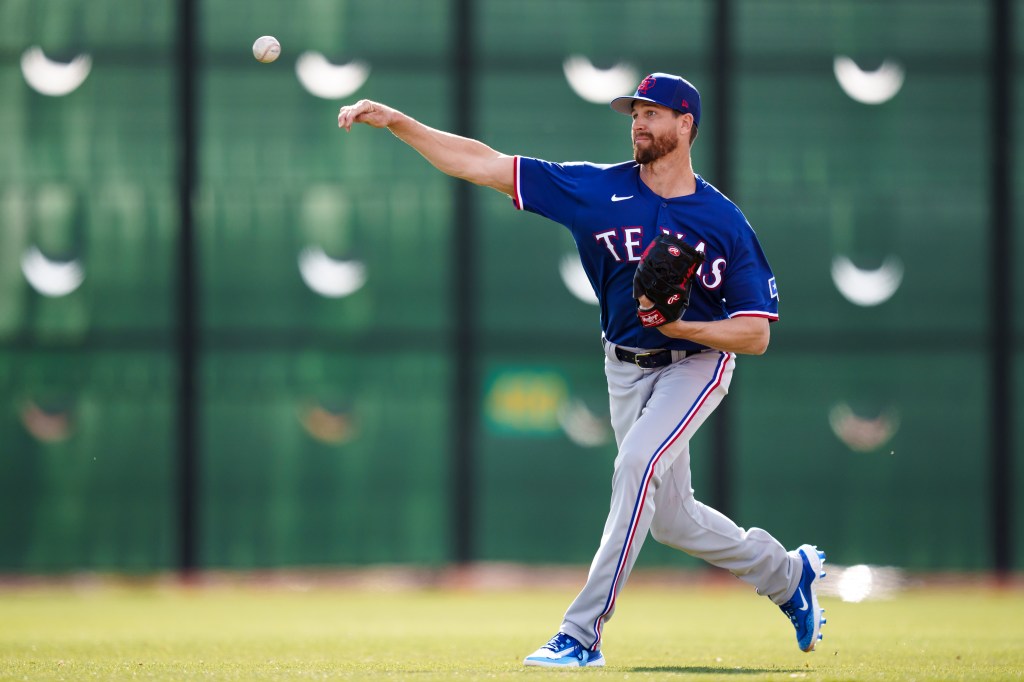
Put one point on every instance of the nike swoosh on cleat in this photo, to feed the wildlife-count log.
(618, 198)
(804, 600)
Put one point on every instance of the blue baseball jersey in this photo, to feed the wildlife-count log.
(613, 216)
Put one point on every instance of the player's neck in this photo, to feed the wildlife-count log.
(670, 176)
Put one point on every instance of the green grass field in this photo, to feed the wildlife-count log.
(721, 632)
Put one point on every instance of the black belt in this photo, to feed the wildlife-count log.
(651, 359)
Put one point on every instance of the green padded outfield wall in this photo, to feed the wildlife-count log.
(899, 187)
(325, 425)
(859, 150)
(88, 214)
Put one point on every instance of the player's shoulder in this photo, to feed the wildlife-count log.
(589, 168)
(713, 196)
(729, 214)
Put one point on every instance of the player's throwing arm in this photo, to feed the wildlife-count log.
(454, 155)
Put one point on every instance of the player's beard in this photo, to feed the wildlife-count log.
(658, 147)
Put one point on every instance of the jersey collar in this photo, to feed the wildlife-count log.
(700, 184)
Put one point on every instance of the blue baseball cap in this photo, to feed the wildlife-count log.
(664, 89)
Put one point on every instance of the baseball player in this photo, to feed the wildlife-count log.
(671, 336)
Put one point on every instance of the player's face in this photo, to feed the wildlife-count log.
(655, 132)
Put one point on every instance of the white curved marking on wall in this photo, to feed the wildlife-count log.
(868, 87)
(327, 80)
(581, 425)
(599, 86)
(575, 279)
(859, 433)
(867, 287)
(50, 277)
(55, 79)
(329, 277)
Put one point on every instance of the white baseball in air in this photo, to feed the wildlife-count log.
(266, 49)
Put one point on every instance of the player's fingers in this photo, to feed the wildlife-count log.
(345, 118)
(349, 114)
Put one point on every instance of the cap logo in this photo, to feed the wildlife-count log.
(685, 104)
(645, 85)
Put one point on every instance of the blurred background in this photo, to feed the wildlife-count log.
(235, 337)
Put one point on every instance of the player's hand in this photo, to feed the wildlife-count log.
(645, 303)
(371, 113)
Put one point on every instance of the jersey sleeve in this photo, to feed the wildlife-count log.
(546, 188)
(749, 289)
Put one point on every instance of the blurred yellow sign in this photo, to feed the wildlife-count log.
(525, 401)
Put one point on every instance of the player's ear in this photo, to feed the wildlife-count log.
(687, 130)
(685, 125)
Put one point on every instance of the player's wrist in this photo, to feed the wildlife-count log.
(675, 329)
(396, 120)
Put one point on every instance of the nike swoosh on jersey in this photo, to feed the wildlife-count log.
(615, 197)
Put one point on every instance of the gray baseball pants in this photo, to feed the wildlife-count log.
(654, 413)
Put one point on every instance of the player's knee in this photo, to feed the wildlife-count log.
(678, 527)
(632, 462)
(661, 531)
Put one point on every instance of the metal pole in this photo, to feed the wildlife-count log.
(721, 129)
(465, 386)
(187, 291)
(1001, 310)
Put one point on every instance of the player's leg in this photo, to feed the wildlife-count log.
(682, 396)
(629, 389)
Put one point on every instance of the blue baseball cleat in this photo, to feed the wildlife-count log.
(802, 608)
(563, 651)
